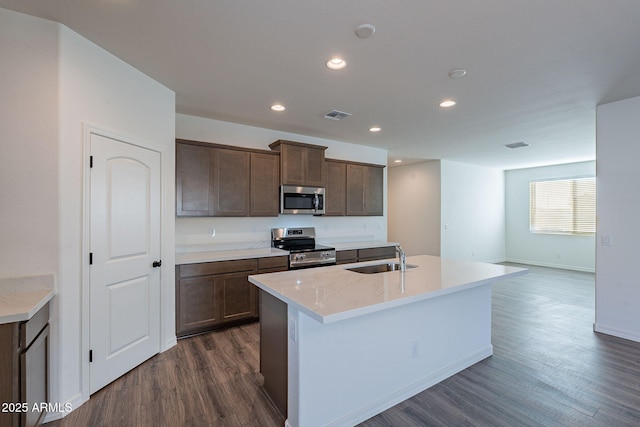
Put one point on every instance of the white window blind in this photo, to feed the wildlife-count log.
(565, 206)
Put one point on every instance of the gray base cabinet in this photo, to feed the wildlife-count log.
(24, 370)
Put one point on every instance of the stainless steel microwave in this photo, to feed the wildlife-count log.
(301, 200)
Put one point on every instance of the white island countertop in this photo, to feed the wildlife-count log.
(331, 294)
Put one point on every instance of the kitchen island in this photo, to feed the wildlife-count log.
(357, 344)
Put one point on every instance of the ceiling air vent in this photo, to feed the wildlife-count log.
(517, 144)
(336, 115)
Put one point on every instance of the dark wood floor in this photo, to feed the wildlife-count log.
(548, 369)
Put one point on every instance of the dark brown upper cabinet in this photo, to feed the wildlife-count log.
(365, 189)
(336, 188)
(194, 173)
(219, 180)
(300, 164)
(230, 189)
(265, 182)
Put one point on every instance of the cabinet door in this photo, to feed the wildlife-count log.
(369, 254)
(230, 189)
(34, 383)
(198, 305)
(314, 167)
(265, 182)
(365, 190)
(193, 180)
(355, 189)
(336, 191)
(346, 257)
(239, 297)
(302, 165)
(292, 158)
(373, 191)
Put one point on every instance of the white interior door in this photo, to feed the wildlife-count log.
(124, 244)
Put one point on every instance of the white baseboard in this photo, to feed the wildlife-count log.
(627, 335)
(74, 403)
(551, 265)
(170, 342)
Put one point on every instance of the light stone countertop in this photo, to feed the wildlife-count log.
(345, 246)
(22, 297)
(227, 255)
(194, 257)
(333, 293)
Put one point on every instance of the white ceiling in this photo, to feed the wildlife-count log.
(536, 69)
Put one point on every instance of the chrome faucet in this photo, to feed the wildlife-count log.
(403, 258)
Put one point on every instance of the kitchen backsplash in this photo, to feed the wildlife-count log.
(211, 234)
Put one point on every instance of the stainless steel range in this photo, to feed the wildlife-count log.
(301, 244)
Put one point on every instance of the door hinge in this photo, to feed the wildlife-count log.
(90, 258)
(90, 161)
(90, 356)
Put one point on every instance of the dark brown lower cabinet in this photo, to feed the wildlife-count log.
(210, 295)
(274, 350)
(24, 370)
(365, 254)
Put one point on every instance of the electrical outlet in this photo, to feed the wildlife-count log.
(213, 232)
(293, 329)
(607, 241)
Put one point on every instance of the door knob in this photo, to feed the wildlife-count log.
(157, 263)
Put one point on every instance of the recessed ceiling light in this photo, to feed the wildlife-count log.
(397, 161)
(447, 103)
(365, 30)
(336, 63)
(458, 73)
(278, 107)
(375, 129)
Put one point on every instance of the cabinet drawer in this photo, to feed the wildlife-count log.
(345, 257)
(31, 328)
(376, 253)
(218, 267)
(273, 262)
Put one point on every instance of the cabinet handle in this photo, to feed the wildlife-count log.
(157, 263)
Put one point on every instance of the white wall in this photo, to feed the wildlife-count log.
(414, 207)
(550, 250)
(618, 207)
(54, 82)
(28, 145)
(234, 233)
(100, 90)
(473, 212)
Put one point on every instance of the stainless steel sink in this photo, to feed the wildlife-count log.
(379, 268)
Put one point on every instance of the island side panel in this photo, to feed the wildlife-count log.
(273, 349)
(343, 373)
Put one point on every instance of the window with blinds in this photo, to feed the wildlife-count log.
(564, 206)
